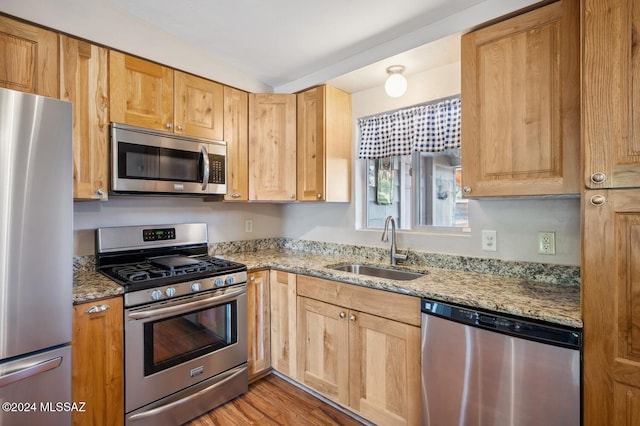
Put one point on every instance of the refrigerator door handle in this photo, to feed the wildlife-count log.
(30, 371)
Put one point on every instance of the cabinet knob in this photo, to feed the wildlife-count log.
(292, 196)
(319, 196)
(97, 309)
(352, 317)
(342, 315)
(236, 195)
(180, 127)
(252, 279)
(598, 177)
(100, 192)
(466, 190)
(597, 200)
(169, 126)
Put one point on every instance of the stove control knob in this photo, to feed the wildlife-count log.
(170, 292)
(195, 287)
(229, 280)
(218, 282)
(156, 295)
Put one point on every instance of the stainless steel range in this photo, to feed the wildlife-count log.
(185, 321)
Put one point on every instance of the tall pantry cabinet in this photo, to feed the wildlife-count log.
(611, 211)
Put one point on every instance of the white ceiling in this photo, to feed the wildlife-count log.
(285, 45)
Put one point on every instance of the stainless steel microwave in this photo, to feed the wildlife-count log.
(147, 161)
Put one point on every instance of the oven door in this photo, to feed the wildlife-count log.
(173, 345)
(158, 162)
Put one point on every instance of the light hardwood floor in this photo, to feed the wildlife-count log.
(274, 401)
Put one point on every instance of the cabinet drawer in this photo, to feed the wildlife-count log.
(398, 307)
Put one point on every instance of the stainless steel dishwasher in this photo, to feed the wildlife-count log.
(482, 368)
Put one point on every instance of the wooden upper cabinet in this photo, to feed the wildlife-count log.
(141, 92)
(84, 83)
(272, 147)
(611, 93)
(236, 135)
(150, 95)
(28, 58)
(324, 145)
(611, 307)
(198, 106)
(520, 104)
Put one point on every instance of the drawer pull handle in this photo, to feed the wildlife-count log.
(97, 309)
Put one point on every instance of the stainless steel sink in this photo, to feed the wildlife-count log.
(377, 271)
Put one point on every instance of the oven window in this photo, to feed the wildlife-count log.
(174, 340)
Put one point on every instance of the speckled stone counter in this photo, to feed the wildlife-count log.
(545, 292)
(554, 303)
(88, 284)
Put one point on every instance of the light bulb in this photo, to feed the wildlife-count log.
(396, 84)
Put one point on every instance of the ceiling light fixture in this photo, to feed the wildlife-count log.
(396, 84)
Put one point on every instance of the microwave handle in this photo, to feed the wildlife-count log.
(205, 164)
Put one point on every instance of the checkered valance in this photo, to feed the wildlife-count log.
(426, 128)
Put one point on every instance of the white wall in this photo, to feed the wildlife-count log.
(516, 221)
(226, 220)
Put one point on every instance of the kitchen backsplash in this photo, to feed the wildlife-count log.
(541, 272)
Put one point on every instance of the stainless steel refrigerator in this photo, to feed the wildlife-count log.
(36, 259)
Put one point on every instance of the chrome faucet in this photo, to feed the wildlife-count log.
(395, 256)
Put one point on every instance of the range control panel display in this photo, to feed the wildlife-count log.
(159, 234)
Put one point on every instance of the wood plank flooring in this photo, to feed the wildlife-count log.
(274, 401)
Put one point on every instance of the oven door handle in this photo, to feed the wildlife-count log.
(186, 307)
(206, 167)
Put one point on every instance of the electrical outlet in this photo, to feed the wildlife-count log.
(546, 242)
(248, 225)
(489, 240)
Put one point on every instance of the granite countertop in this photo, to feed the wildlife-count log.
(554, 303)
(89, 284)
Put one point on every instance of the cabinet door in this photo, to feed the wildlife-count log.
(283, 322)
(323, 348)
(311, 145)
(272, 147)
(140, 92)
(98, 362)
(611, 93)
(28, 58)
(236, 134)
(384, 369)
(611, 307)
(83, 82)
(324, 145)
(521, 94)
(198, 106)
(259, 323)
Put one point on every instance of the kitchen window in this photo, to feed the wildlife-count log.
(413, 167)
(418, 190)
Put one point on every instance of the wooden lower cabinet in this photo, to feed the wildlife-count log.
(323, 348)
(258, 323)
(98, 362)
(611, 307)
(366, 362)
(282, 293)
